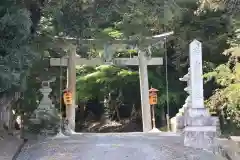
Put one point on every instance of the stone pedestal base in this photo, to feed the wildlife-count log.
(198, 112)
(203, 137)
(201, 121)
(201, 132)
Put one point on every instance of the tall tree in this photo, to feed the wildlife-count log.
(16, 55)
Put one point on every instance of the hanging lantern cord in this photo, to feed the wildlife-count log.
(167, 92)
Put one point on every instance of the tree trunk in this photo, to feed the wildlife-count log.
(117, 111)
(163, 117)
(106, 114)
(81, 110)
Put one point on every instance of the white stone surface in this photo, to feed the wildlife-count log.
(200, 130)
(99, 61)
(196, 74)
(179, 121)
(45, 105)
(235, 138)
(187, 89)
(154, 130)
(79, 61)
(185, 78)
(202, 137)
(135, 61)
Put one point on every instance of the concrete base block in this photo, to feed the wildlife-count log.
(203, 137)
(202, 121)
(198, 112)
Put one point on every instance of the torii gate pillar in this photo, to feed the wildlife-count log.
(71, 86)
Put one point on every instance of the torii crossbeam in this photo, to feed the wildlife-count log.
(142, 61)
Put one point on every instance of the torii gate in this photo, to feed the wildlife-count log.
(142, 61)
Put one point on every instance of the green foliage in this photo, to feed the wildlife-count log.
(207, 21)
(222, 74)
(30, 97)
(16, 55)
(87, 19)
(103, 79)
(234, 41)
(231, 6)
(113, 33)
(211, 28)
(226, 100)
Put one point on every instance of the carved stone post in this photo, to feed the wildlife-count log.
(200, 130)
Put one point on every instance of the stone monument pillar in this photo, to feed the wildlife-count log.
(200, 130)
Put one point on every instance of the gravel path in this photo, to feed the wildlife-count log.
(9, 145)
(122, 146)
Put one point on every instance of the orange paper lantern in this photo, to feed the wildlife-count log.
(153, 96)
(67, 97)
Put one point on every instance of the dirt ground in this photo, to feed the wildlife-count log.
(112, 126)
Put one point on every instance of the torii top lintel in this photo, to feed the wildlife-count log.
(147, 40)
